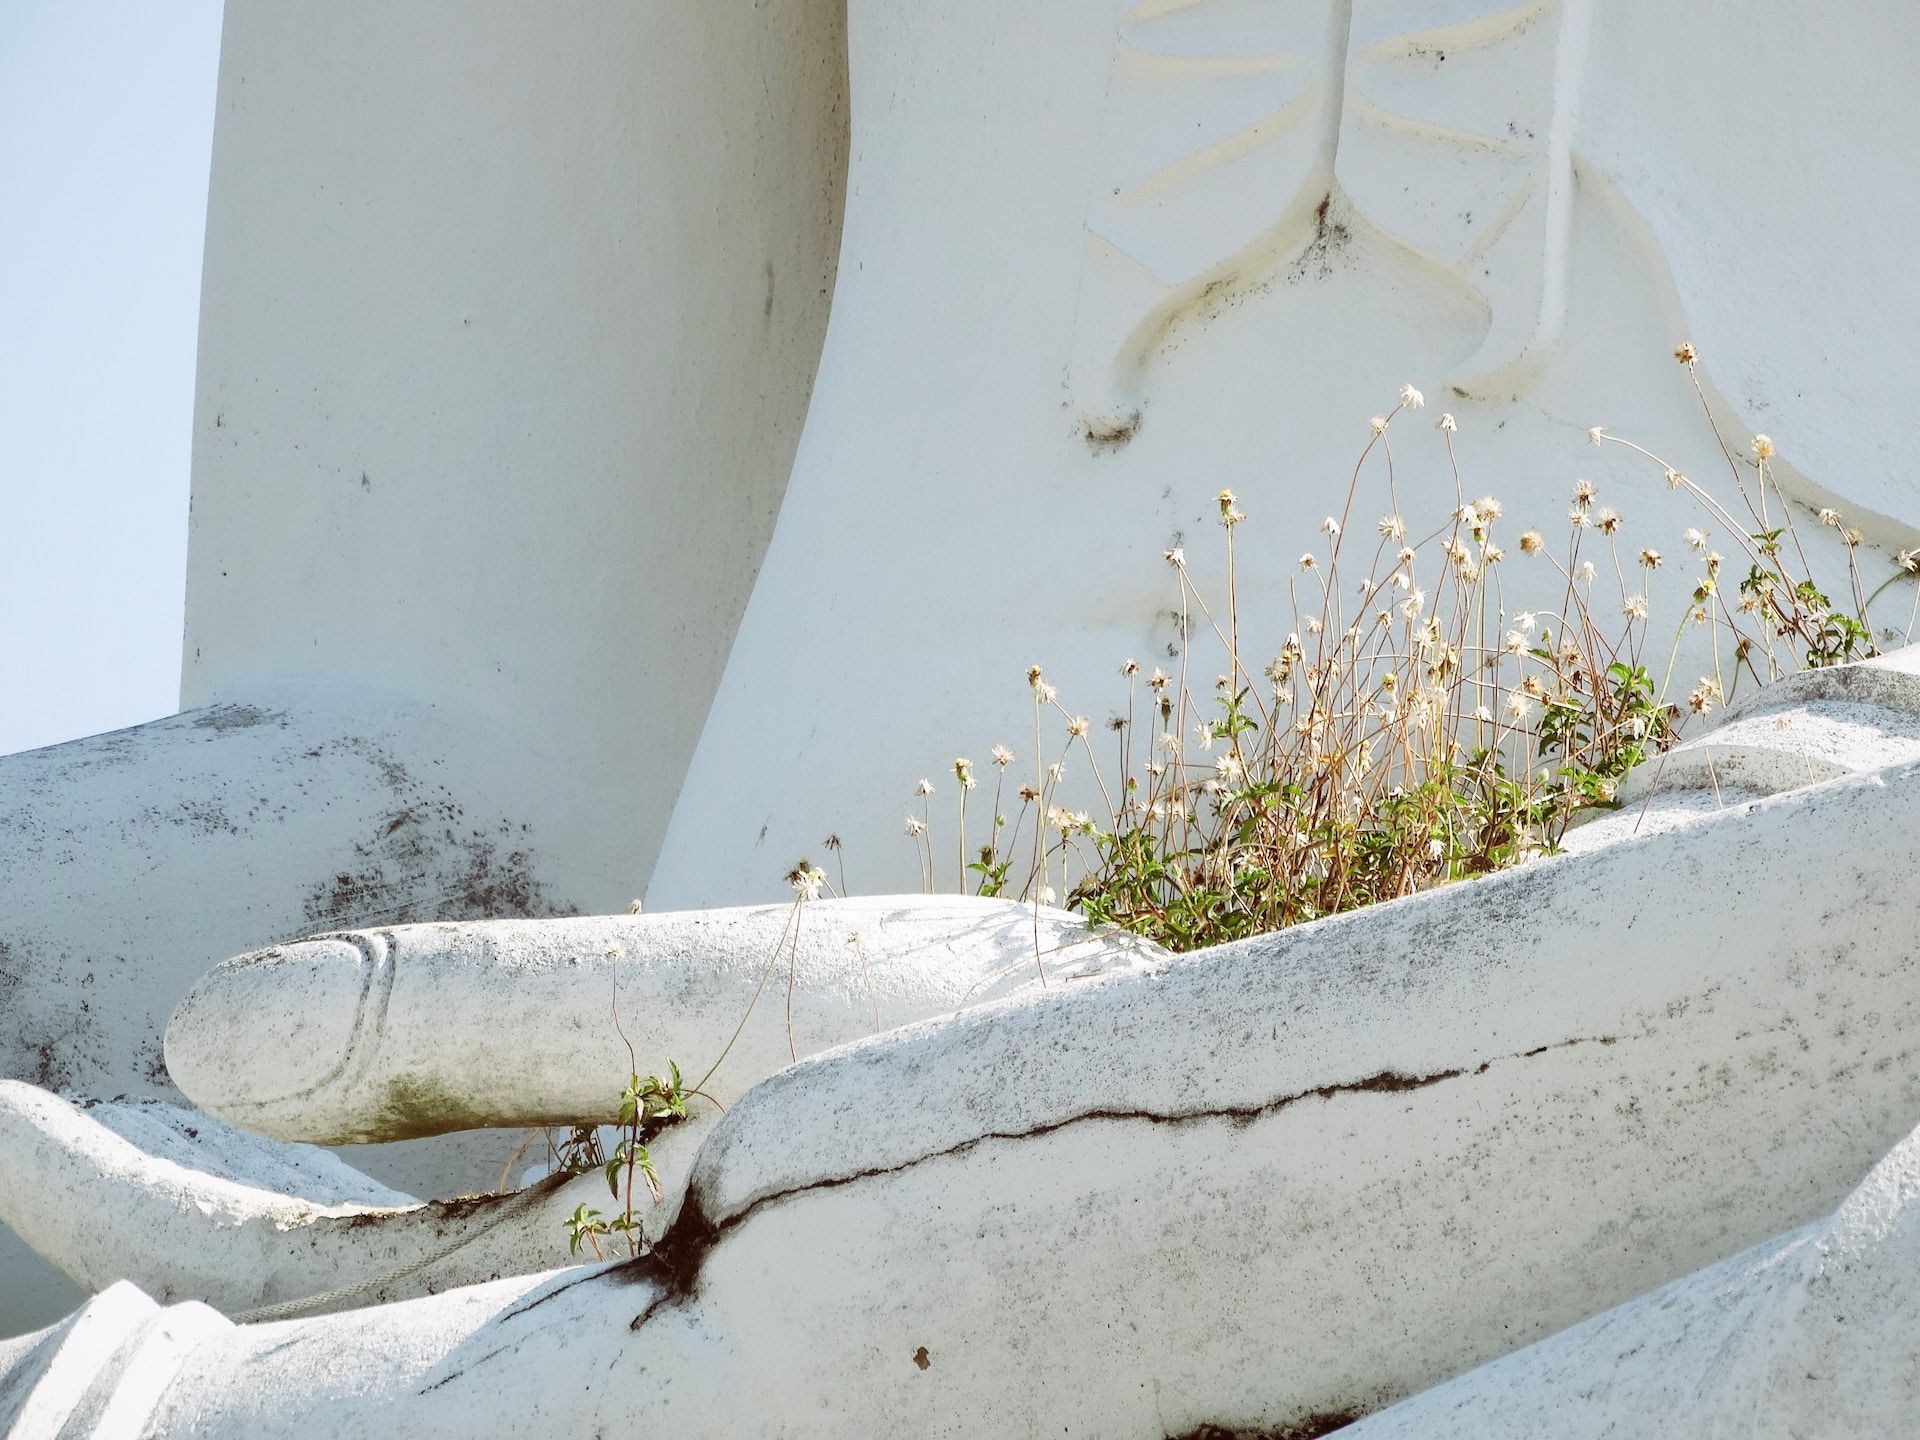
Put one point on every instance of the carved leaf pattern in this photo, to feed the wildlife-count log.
(1234, 127)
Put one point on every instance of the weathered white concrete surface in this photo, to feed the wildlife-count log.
(222, 1222)
(1807, 727)
(419, 1030)
(197, 1141)
(1203, 243)
(132, 862)
(1814, 1334)
(509, 325)
(98, 1372)
(426, 1029)
(1268, 1185)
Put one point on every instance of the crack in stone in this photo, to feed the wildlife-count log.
(678, 1256)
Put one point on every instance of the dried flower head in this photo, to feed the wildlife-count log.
(1489, 508)
(1650, 558)
(806, 880)
(1762, 447)
(1634, 607)
(1695, 537)
(916, 827)
(925, 787)
(1909, 561)
(1609, 521)
(1583, 492)
(1532, 542)
(1675, 479)
(1596, 434)
(1077, 726)
(1331, 526)
(1830, 517)
(1392, 527)
(1446, 423)
(1378, 424)
(1130, 668)
(1410, 398)
(1685, 353)
(1002, 756)
(1176, 557)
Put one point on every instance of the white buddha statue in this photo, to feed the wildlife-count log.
(1102, 259)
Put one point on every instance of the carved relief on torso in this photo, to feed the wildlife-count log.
(1242, 135)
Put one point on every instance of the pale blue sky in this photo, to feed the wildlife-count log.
(106, 120)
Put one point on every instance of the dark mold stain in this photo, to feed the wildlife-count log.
(1105, 434)
(235, 717)
(1311, 1427)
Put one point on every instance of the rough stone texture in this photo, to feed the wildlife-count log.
(1816, 1333)
(494, 1023)
(238, 1222)
(197, 1141)
(134, 861)
(1250, 1189)
(418, 1030)
(1805, 728)
(99, 1372)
